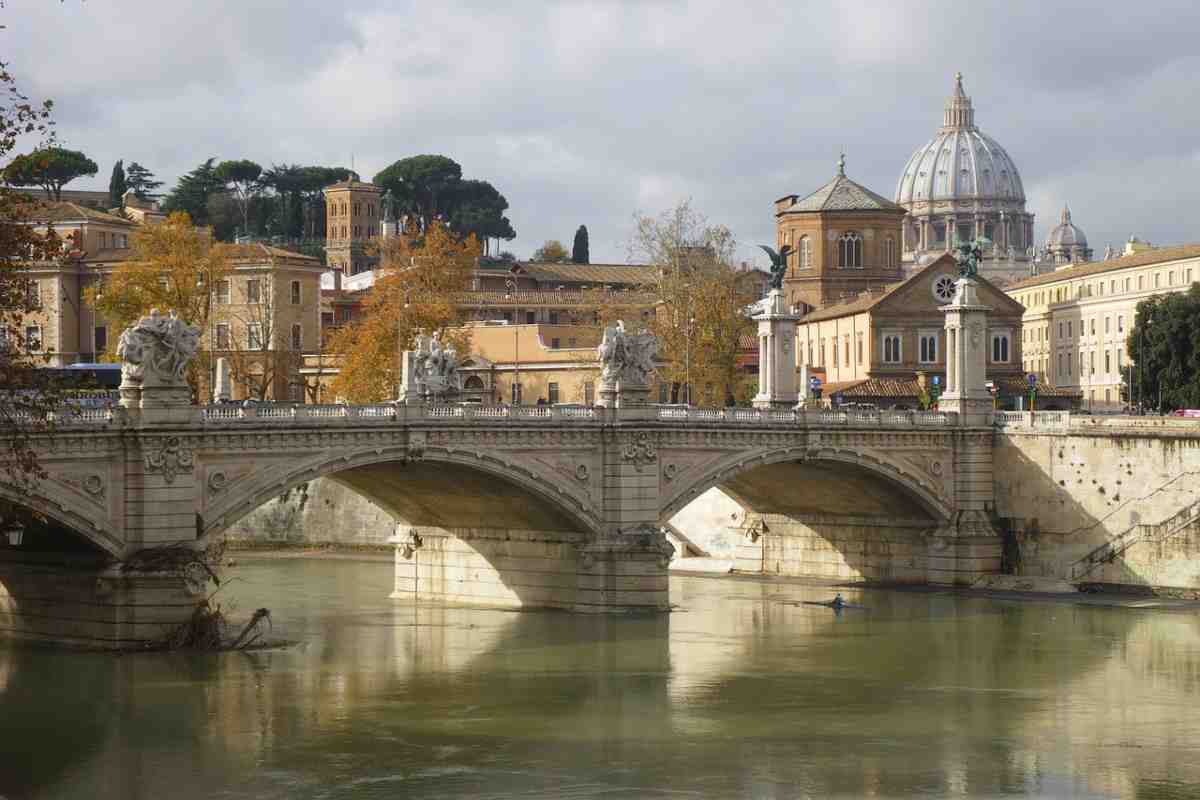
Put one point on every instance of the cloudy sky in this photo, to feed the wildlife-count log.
(590, 112)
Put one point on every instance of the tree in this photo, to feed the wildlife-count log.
(242, 176)
(419, 280)
(27, 398)
(579, 250)
(117, 186)
(478, 210)
(702, 312)
(191, 194)
(49, 167)
(551, 251)
(301, 207)
(175, 265)
(1164, 352)
(141, 180)
(422, 186)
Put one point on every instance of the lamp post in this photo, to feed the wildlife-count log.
(510, 288)
(687, 359)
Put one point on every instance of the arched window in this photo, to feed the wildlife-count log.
(473, 384)
(891, 349)
(804, 250)
(1000, 348)
(850, 250)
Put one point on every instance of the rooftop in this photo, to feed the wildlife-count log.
(600, 274)
(1155, 256)
(66, 211)
(841, 194)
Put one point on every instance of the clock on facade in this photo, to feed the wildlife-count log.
(943, 289)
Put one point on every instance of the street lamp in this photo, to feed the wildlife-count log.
(16, 534)
(687, 360)
(510, 288)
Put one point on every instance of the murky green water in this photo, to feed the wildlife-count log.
(743, 692)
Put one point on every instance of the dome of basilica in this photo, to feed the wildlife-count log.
(1065, 234)
(960, 162)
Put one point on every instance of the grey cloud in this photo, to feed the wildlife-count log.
(587, 112)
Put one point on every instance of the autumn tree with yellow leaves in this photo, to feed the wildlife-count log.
(175, 266)
(701, 313)
(421, 275)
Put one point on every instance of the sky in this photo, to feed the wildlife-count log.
(591, 112)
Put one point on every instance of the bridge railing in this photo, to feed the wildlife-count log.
(218, 415)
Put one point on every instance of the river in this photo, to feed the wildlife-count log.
(742, 691)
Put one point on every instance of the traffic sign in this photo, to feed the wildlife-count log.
(814, 382)
(1032, 378)
(937, 380)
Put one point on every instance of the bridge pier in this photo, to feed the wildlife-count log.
(531, 569)
(81, 602)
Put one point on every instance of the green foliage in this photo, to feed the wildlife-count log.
(193, 192)
(242, 177)
(117, 185)
(1164, 352)
(50, 168)
(579, 249)
(429, 187)
(299, 206)
(141, 180)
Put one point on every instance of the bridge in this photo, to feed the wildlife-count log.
(528, 506)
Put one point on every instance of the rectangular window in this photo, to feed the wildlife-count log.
(1188, 279)
(33, 338)
(1107, 361)
(1092, 325)
(1141, 282)
(101, 334)
(254, 336)
(835, 351)
(1171, 278)
(1070, 330)
(846, 350)
(253, 291)
(589, 393)
(858, 347)
(222, 336)
(297, 337)
(664, 393)
(1120, 323)
(295, 293)
(555, 343)
(552, 392)
(1127, 284)
(530, 317)
(103, 240)
(822, 352)
(1107, 320)
(553, 317)
(1060, 330)
(33, 294)
(1092, 363)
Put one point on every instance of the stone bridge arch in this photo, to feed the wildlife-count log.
(928, 489)
(232, 490)
(61, 503)
(826, 511)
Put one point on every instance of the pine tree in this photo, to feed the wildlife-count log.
(141, 180)
(579, 250)
(117, 185)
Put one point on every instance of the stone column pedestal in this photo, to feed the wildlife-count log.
(625, 572)
(776, 354)
(964, 551)
(966, 356)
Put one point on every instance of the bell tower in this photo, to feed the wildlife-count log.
(353, 217)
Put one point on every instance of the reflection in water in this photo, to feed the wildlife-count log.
(744, 691)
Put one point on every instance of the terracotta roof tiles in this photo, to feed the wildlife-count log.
(1154, 256)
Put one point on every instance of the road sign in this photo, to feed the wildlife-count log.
(1032, 378)
(814, 382)
(937, 380)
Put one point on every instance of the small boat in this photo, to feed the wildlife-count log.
(837, 603)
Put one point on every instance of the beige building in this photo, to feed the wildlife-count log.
(265, 315)
(887, 344)
(1078, 318)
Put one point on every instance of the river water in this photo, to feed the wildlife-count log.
(743, 691)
